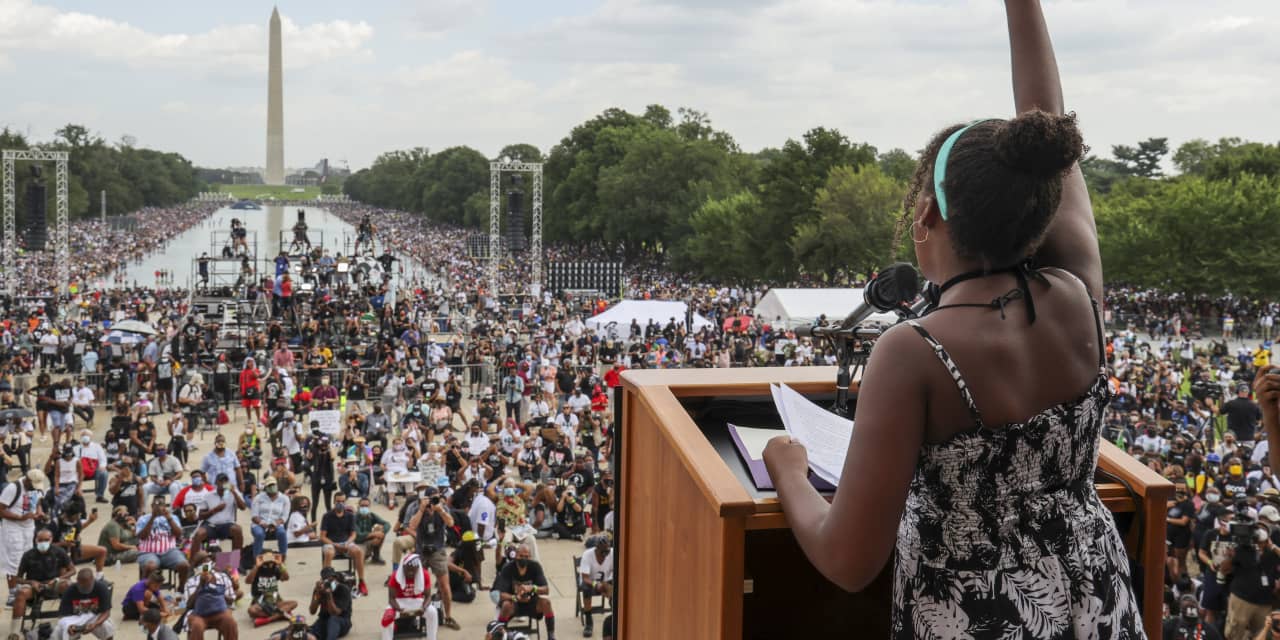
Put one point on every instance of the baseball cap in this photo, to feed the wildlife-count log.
(1270, 513)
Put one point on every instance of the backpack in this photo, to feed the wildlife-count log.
(223, 418)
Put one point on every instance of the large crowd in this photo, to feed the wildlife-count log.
(423, 438)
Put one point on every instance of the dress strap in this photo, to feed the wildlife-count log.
(952, 369)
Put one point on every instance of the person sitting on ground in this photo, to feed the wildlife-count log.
(118, 537)
(86, 609)
(264, 586)
(210, 594)
(300, 529)
(44, 572)
(408, 597)
(338, 533)
(144, 595)
(153, 624)
(522, 591)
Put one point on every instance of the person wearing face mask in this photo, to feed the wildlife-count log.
(86, 609)
(396, 462)
(1181, 511)
(63, 467)
(118, 537)
(476, 441)
(45, 570)
(223, 460)
(217, 514)
(324, 396)
(1234, 485)
(331, 604)
(1253, 572)
(427, 537)
(338, 533)
(210, 594)
(1186, 622)
(269, 512)
(93, 459)
(371, 531)
(1212, 553)
(522, 591)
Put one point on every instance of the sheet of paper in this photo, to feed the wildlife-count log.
(754, 439)
(824, 434)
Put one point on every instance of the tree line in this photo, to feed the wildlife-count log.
(133, 177)
(673, 188)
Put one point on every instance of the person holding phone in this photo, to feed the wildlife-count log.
(981, 421)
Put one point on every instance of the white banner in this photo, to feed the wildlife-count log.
(330, 422)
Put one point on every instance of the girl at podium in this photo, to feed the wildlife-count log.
(980, 422)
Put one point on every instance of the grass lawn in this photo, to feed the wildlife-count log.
(263, 192)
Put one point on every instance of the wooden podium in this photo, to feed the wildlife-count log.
(704, 554)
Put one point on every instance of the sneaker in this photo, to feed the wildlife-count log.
(101, 500)
(258, 622)
(376, 560)
(364, 590)
(452, 624)
(586, 631)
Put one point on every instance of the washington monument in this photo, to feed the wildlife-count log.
(275, 106)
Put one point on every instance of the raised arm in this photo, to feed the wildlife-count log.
(1072, 240)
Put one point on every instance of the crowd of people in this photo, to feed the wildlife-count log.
(441, 430)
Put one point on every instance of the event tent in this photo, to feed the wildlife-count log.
(799, 307)
(660, 311)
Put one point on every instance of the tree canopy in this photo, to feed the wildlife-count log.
(672, 187)
(132, 177)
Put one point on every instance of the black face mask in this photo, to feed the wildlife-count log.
(522, 564)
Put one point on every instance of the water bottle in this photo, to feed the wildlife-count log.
(117, 564)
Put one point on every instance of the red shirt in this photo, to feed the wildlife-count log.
(407, 591)
(613, 377)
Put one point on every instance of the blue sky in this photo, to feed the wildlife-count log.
(366, 77)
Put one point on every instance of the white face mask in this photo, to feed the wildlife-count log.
(85, 441)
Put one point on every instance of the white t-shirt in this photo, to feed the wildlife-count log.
(484, 512)
(594, 568)
(579, 402)
(296, 523)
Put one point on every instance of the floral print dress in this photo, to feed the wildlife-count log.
(1004, 536)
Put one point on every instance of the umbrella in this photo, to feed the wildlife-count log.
(120, 337)
(134, 326)
(737, 323)
(15, 413)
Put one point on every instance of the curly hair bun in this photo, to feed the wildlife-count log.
(1039, 143)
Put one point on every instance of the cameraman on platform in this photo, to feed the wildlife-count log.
(1254, 567)
(331, 604)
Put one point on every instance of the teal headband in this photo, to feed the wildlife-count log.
(940, 166)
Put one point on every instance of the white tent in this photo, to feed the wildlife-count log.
(660, 311)
(800, 307)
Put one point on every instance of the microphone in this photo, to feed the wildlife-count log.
(893, 289)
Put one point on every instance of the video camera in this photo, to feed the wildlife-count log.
(1242, 526)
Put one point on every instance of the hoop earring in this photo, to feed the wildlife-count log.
(913, 234)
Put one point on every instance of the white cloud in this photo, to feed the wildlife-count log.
(26, 26)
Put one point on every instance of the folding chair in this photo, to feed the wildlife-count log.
(529, 625)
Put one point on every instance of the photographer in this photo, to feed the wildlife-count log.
(409, 596)
(1254, 568)
(264, 585)
(331, 604)
(210, 595)
(569, 518)
(429, 525)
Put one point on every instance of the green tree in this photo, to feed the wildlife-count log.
(787, 187)
(449, 178)
(1144, 160)
(898, 164)
(1101, 174)
(858, 209)
(718, 231)
(1194, 235)
(521, 152)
